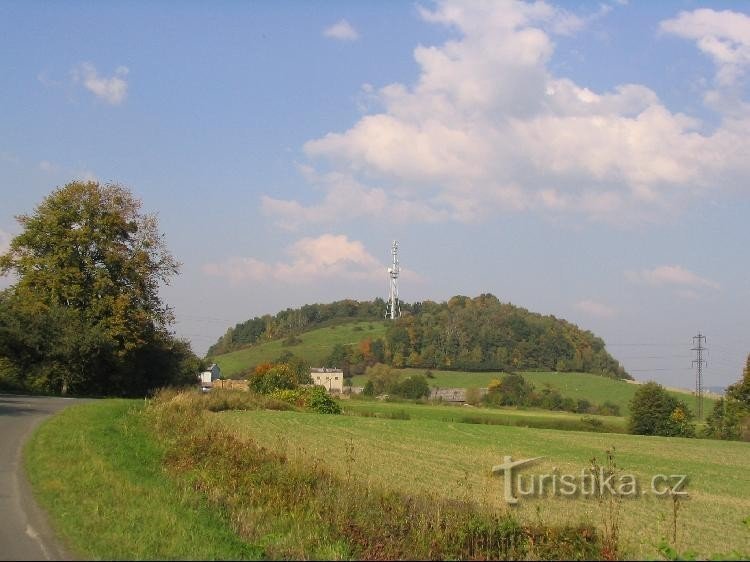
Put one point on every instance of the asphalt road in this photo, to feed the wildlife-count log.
(24, 531)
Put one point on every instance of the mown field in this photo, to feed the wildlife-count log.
(434, 455)
(480, 415)
(315, 347)
(593, 388)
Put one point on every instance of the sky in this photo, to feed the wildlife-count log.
(587, 160)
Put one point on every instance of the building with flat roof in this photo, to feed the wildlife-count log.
(330, 379)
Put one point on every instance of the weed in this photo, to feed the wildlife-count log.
(610, 505)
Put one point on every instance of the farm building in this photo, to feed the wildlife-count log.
(210, 375)
(331, 379)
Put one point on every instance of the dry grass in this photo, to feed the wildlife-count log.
(453, 460)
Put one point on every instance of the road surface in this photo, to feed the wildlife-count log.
(24, 531)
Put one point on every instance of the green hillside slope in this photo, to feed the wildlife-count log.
(315, 347)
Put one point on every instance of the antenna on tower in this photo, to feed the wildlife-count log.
(393, 310)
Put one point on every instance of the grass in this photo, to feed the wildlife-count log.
(594, 388)
(297, 508)
(315, 347)
(490, 416)
(453, 460)
(100, 477)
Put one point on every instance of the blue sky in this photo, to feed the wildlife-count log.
(587, 160)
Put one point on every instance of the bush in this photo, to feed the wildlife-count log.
(268, 377)
(653, 411)
(314, 398)
(413, 387)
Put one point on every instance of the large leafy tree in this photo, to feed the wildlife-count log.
(85, 312)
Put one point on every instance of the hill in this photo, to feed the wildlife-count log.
(462, 334)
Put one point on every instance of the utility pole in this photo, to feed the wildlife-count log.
(699, 362)
(394, 308)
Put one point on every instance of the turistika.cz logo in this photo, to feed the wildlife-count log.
(590, 482)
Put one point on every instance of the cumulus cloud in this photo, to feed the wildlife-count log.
(722, 35)
(341, 30)
(310, 259)
(112, 90)
(671, 275)
(596, 309)
(487, 127)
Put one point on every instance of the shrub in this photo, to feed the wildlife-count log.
(653, 411)
(314, 398)
(268, 377)
(413, 387)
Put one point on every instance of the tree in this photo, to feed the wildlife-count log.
(413, 387)
(740, 390)
(653, 411)
(512, 390)
(383, 378)
(85, 313)
(730, 418)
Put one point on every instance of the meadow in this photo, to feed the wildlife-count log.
(594, 388)
(454, 460)
(459, 413)
(315, 347)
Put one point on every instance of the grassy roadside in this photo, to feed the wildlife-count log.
(99, 475)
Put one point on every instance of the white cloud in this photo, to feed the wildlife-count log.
(724, 36)
(671, 275)
(597, 309)
(310, 259)
(341, 30)
(112, 90)
(487, 127)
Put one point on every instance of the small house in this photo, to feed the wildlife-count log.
(213, 373)
(330, 379)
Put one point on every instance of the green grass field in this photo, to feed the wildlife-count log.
(469, 414)
(315, 347)
(594, 388)
(100, 478)
(454, 460)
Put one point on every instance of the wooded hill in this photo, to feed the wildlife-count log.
(479, 334)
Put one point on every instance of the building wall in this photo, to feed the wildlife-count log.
(330, 379)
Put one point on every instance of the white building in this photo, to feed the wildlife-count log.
(210, 375)
(330, 379)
